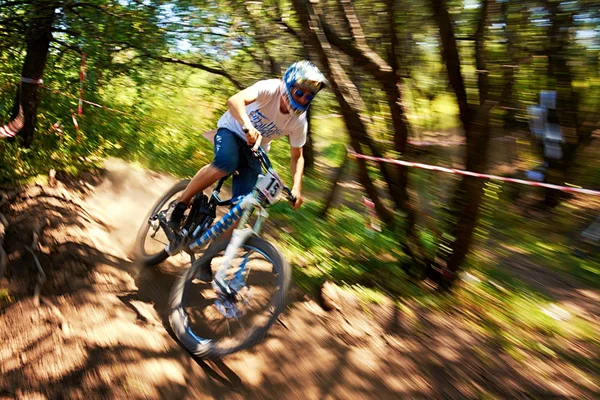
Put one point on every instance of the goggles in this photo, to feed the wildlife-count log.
(303, 93)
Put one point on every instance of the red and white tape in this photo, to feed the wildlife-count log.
(74, 121)
(474, 174)
(373, 222)
(14, 126)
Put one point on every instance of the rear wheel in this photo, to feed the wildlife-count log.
(151, 240)
(211, 325)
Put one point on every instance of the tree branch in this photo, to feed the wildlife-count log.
(212, 70)
(362, 55)
(287, 27)
(73, 48)
(96, 7)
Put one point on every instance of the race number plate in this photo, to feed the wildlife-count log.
(270, 185)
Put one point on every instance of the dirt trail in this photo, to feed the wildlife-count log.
(107, 336)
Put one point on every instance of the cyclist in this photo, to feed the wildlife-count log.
(265, 111)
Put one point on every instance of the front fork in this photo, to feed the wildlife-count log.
(239, 236)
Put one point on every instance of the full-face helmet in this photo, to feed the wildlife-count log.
(302, 75)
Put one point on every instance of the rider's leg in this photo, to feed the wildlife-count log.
(205, 177)
(225, 162)
(248, 170)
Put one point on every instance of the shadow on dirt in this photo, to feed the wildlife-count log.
(99, 330)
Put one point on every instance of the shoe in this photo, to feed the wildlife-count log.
(175, 243)
(177, 216)
(205, 274)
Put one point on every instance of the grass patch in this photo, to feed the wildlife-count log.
(341, 249)
(5, 297)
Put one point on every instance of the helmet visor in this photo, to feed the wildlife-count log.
(313, 86)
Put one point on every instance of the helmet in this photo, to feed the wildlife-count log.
(305, 75)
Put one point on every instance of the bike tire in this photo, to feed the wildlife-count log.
(211, 349)
(141, 255)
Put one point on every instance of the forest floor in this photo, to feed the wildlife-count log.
(99, 330)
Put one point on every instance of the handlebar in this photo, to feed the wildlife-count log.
(262, 157)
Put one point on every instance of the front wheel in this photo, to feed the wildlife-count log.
(151, 241)
(210, 325)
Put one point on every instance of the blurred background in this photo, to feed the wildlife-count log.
(501, 87)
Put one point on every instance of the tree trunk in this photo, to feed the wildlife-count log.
(471, 188)
(508, 97)
(480, 64)
(346, 94)
(308, 150)
(334, 186)
(567, 101)
(452, 60)
(389, 79)
(38, 37)
(468, 197)
(393, 90)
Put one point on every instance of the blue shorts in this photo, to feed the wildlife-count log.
(233, 154)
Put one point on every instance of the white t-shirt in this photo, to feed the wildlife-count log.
(266, 117)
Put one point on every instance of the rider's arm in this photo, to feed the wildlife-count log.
(297, 168)
(237, 107)
(238, 102)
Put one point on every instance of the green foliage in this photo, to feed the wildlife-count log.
(5, 297)
(341, 248)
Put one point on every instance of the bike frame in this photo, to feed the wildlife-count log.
(240, 212)
(243, 207)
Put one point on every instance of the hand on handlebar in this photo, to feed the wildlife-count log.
(253, 137)
(296, 199)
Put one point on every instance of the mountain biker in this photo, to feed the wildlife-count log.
(265, 111)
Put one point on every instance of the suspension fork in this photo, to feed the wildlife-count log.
(239, 236)
(261, 217)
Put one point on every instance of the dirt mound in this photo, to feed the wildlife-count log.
(90, 334)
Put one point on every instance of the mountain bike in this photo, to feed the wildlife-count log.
(217, 314)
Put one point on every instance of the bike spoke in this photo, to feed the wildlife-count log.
(242, 325)
(156, 240)
(228, 327)
(230, 320)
